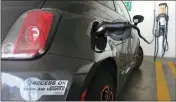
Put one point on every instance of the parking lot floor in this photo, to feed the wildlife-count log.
(155, 81)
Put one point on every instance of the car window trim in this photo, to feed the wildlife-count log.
(114, 5)
(108, 7)
(112, 10)
(119, 13)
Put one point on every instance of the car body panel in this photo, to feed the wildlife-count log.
(73, 36)
(49, 67)
(70, 56)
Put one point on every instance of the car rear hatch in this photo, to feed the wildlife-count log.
(17, 74)
(47, 78)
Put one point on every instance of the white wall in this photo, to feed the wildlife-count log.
(146, 8)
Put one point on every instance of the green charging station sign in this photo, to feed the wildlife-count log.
(128, 5)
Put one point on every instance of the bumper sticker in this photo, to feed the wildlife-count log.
(33, 88)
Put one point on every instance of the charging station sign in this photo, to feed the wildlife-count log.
(128, 5)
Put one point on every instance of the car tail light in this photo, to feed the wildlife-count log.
(31, 34)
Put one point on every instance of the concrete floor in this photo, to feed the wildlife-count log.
(149, 84)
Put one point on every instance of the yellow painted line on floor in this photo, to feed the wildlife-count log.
(173, 68)
(162, 90)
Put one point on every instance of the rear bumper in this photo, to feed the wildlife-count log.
(50, 67)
